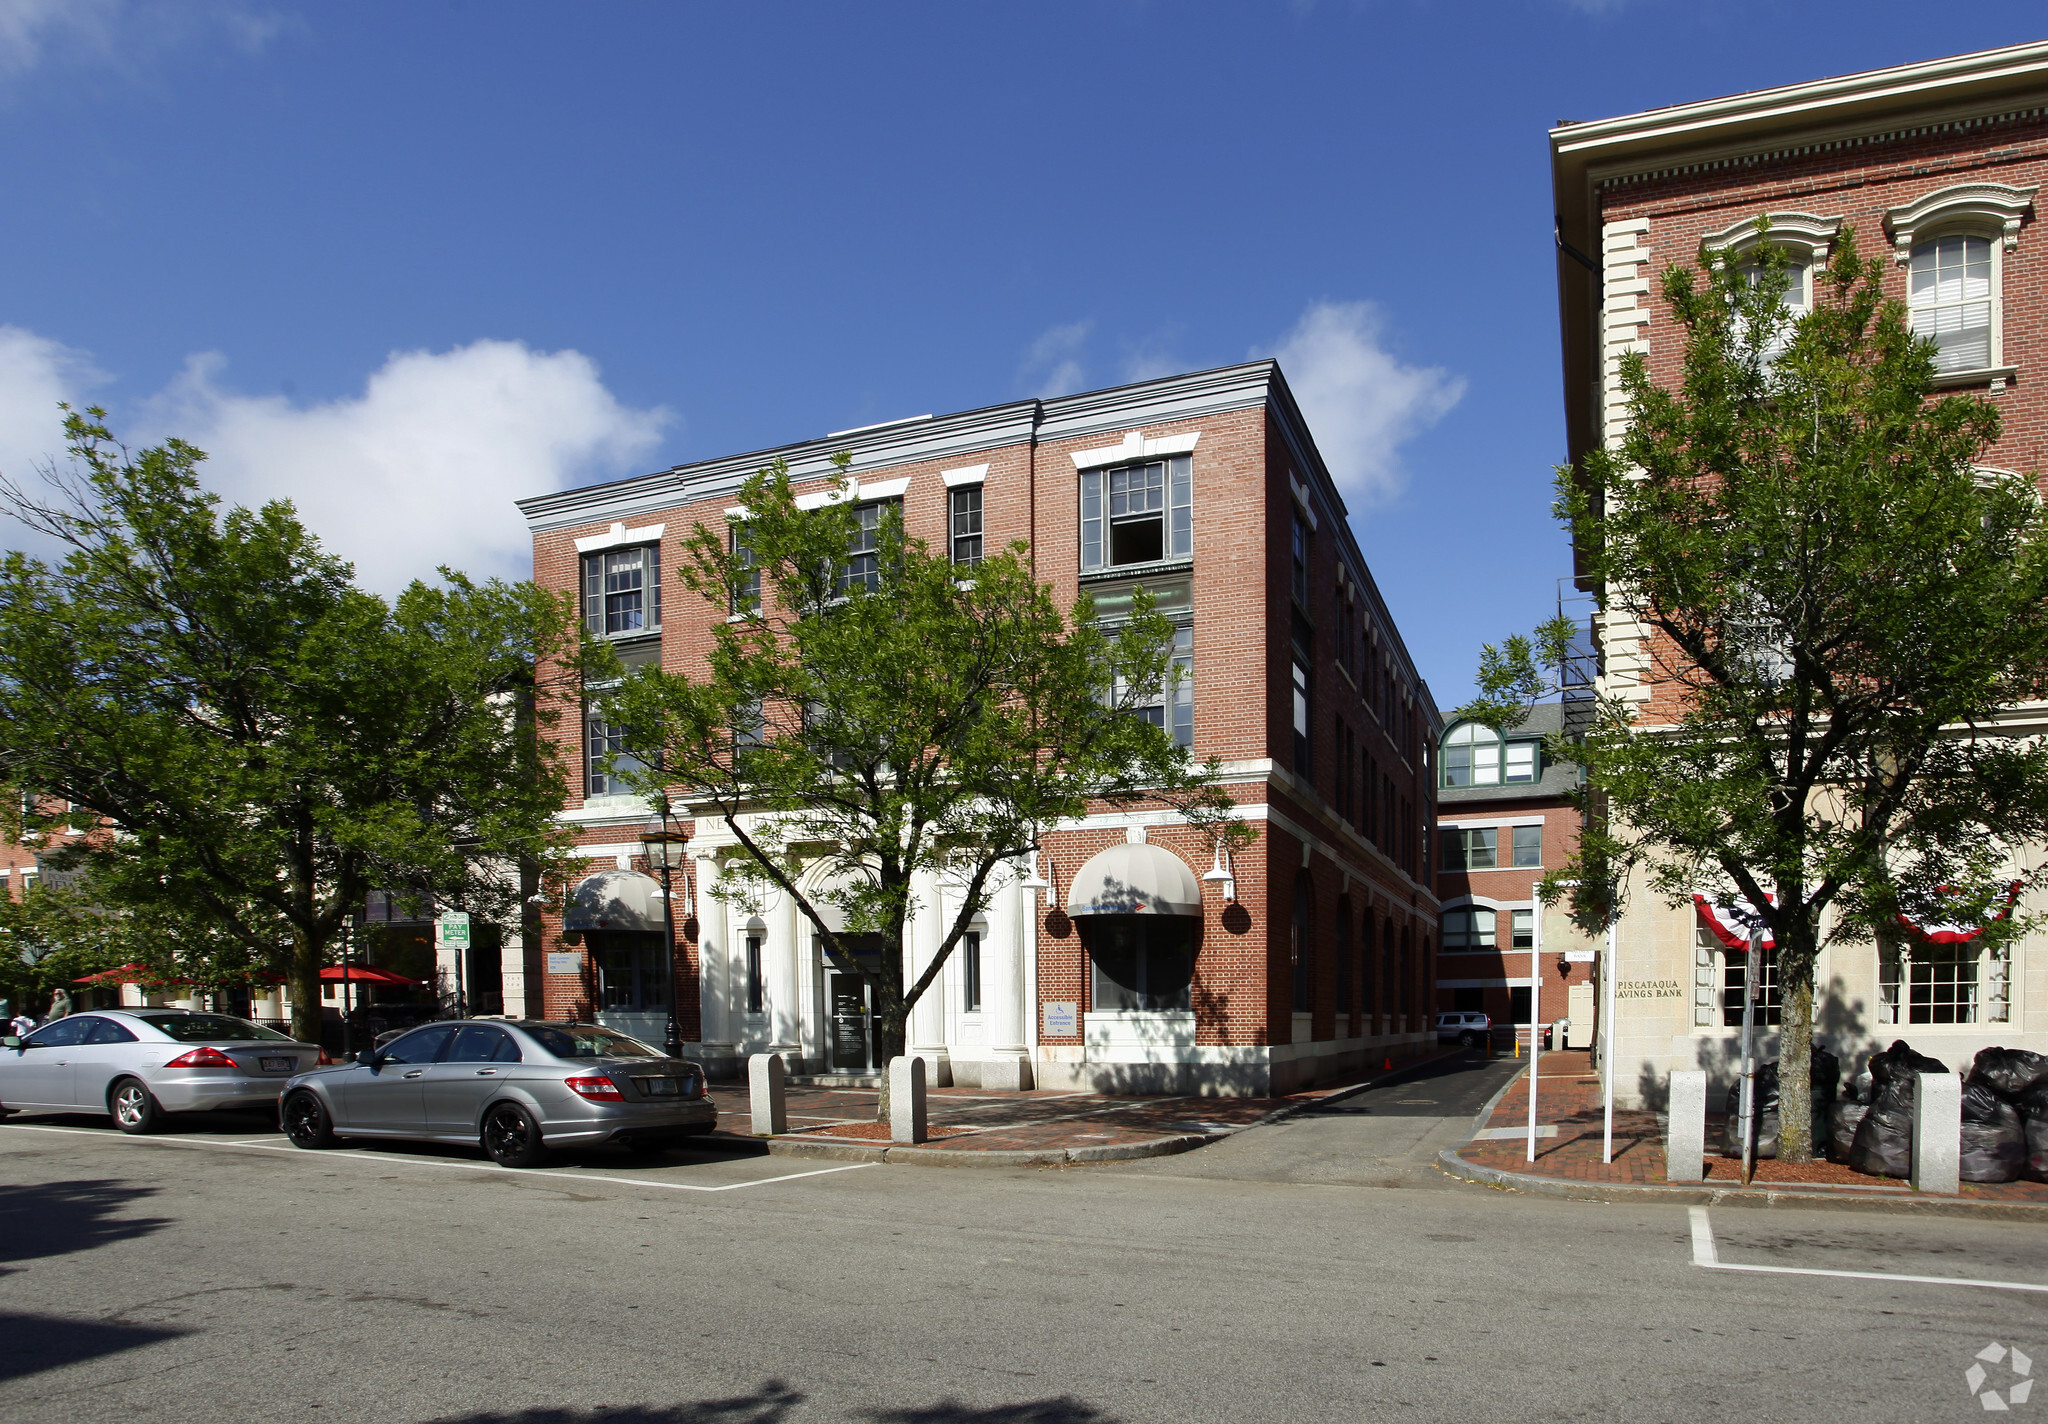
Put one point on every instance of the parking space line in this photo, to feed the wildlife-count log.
(570, 1174)
(1706, 1255)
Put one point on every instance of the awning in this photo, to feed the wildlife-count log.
(130, 974)
(367, 974)
(1956, 933)
(1731, 918)
(1135, 880)
(615, 900)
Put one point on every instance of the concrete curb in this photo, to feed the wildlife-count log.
(1452, 1165)
(993, 1157)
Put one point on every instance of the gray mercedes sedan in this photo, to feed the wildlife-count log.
(139, 1064)
(518, 1088)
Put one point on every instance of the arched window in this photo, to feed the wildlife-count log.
(1469, 927)
(1471, 756)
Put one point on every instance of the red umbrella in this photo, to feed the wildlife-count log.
(129, 974)
(368, 974)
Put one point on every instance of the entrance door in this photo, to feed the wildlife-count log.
(846, 998)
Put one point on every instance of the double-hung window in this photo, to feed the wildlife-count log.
(1950, 297)
(1521, 761)
(1304, 748)
(622, 591)
(970, 972)
(1528, 845)
(608, 758)
(746, 584)
(863, 566)
(1137, 514)
(1170, 708)
(964, 520)
(1522, 929)
(1302, 561)
(1469, 848)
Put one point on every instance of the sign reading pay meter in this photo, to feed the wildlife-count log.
(451, 931)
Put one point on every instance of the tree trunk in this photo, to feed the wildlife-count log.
(1795, 1062)
(304, 981)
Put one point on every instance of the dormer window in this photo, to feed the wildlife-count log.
(1475, 755)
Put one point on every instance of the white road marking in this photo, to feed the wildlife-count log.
(1704, 1254)
(456, 1166)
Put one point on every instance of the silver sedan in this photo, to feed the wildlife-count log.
(139, 1064)
(517, 1088)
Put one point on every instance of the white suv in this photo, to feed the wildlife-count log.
(1466, 1030)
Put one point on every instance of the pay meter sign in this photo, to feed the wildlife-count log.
(451, 931)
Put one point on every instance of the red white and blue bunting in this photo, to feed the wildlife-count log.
(1731, 917)
(1955, 933)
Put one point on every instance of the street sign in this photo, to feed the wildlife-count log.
(451, 931)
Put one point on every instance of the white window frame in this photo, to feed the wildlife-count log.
(1993, 211)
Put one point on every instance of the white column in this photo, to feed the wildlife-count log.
(922, 938)
(512, 974)
(783, 953)
(713, 941)
(1006, 988)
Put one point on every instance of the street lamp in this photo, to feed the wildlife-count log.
(665, 843)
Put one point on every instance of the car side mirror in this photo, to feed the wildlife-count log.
(10, 1041)
(368, 1058)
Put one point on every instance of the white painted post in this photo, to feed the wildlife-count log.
(1610, 968)
(767, 1104)
(1685, 1146)
(1937, 1132)
(906, 1100)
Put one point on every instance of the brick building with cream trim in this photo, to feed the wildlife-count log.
(1937, 166)
(1312, 953)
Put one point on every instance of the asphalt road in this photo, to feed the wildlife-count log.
(1319, 1269)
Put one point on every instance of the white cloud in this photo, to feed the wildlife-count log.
(1361, 402)
(1052, 364)
(35, 374)
(422, 468)
(124, 33)
(419, 470)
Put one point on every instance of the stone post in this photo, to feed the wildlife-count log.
(768, 1108)
(1685, 1148)
(1937, 1132)
(906, 1100)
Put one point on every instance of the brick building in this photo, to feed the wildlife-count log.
(1505, 819)
(1312, 953)
(1937, 167)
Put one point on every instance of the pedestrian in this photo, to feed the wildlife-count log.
(60, 1004)
(22, 1025)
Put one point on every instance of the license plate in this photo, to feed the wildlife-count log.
(279, 1065)
(657, 1087)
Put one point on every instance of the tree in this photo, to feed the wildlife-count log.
(866, 718)
(1840, 608)
(264, 741)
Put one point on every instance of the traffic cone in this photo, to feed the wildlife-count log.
(1388, 1066)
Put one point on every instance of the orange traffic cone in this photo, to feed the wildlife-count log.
(1388, 1066)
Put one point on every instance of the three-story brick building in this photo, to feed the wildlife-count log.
(1312, 953)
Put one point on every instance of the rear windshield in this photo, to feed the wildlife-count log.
(589, 1041)
(211, 1028)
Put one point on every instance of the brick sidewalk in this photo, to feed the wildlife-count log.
(1568, 1097)
(1041, 1121)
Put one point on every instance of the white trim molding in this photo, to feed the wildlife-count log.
(1805, 230)
(966, 475)
(1976, 204)
(1136, 447)
(618, 536)
(855, 491)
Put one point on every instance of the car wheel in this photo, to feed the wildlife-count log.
(133, 1108)
(306, 1122)
(1468, 1040)
(512, 1137)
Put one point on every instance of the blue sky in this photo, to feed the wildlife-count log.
(405, 263)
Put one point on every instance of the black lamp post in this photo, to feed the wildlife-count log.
(665, 843)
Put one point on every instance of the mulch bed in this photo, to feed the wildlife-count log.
(1769, 1169)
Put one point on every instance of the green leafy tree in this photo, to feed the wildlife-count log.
(264, 740)
(863, 720)
(1841, 607)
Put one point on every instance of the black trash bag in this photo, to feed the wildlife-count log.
(1883, 1145)
(1824, 1072)
(2009, 1071)
(1994, 1143)
(1843, 1117)
(2036, 1129)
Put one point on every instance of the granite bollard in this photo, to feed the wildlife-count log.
(1685, 1147)
(1937, 1132)
(906, 1100)
(767, 1101)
